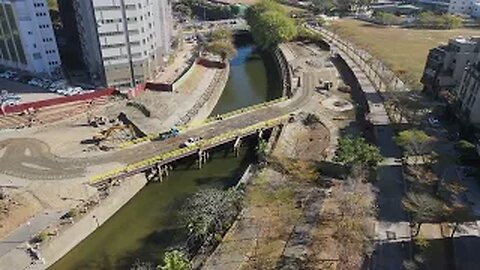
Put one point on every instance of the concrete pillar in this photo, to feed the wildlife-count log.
(236, 146)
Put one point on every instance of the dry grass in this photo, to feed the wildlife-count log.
(13, 215)
(401, 49)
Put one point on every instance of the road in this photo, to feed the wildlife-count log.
(28, 230)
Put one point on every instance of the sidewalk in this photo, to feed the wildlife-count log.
(28, 230)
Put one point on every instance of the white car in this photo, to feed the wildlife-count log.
(191, 141)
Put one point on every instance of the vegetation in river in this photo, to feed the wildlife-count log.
(208, 215)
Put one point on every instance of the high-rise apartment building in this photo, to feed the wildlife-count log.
(27, 40)
(124, 42)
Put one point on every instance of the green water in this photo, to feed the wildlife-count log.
(149, 224)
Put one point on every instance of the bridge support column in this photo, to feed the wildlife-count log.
(236, 146)
(202, 158)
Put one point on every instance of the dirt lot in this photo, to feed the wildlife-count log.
(403, 49)
(15, 210)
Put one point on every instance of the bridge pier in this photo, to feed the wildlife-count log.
(202, 158)
(157, 173)
(236, 146)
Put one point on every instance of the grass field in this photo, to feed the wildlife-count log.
(402, 49)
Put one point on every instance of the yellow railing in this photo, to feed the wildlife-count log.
(252, 108)
(246, 109)
(180, 151)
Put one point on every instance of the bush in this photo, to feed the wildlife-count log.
(40, 237)
(72, 213)
(387, 18)
(311, 119)
(467, 151)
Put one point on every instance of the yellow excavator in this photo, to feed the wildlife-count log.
(106, 133)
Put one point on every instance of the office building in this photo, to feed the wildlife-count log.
(27, 40)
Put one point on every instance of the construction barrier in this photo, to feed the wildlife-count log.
(181, 151)
(57, 101)
(245, 110)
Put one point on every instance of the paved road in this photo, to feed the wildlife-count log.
(28, 230)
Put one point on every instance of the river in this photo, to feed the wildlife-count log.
(150, 223)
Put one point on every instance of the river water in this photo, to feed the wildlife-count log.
(150, 223)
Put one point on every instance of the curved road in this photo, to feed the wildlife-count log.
(29, 158)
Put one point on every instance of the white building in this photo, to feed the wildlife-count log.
(446, 64)
(469, 95)
(124, 54)
(27, 40)
(465, 7)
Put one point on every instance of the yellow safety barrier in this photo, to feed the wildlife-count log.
(182, 128)
(181, 151)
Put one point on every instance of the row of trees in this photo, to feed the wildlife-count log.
(270, 24)
(433, 21)
(206, 9)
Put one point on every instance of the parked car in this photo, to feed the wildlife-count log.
(434, 122)
(35, 82)
(8, 74)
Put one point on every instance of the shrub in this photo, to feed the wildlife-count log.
(40, 237)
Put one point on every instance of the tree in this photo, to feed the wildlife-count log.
(423, 207)
(270, 24)
(221, 34)
(386, 18)
(223, 48)
(355, 151)
(323, 6)
(175, 260)
(414, 142)
(221, 43)
(467, 151)
(183, 9)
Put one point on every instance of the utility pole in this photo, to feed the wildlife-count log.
(127, 41)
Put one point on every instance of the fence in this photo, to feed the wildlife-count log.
(378, 72)
(57, 101)
(171, 155)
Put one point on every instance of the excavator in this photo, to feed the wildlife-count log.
(106, 133)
